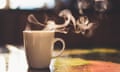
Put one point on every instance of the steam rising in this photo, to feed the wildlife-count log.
(98, 5)
(32, 19)
(84, 4)
(101, 5)
(81, 25)
(84, 26)
(51, 25)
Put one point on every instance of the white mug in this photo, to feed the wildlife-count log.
(39, 47)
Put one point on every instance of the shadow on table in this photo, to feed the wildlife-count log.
(112, 57)
(39, 70)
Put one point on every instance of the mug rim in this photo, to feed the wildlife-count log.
(37, 31)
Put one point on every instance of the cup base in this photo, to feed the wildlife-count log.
(32, 68)
(38, 69)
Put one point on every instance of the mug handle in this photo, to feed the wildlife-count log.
(63, 44)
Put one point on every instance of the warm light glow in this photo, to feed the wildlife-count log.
(31, 4)
(2, 4)
(17, 60)
(2, 64)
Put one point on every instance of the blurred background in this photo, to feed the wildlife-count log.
(14, 13)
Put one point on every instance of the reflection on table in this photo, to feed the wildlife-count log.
(75, 60)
